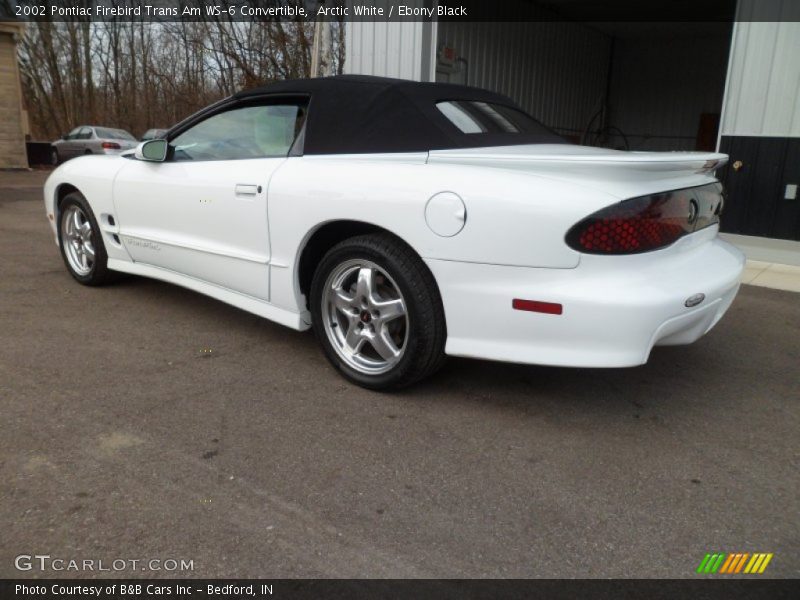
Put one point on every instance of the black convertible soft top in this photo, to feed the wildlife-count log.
(356, 114)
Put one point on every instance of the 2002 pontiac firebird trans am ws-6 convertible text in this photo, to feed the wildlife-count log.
(404, 221)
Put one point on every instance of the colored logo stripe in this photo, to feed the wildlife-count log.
(761, 564)
(734, 563)
(728, 562)
(710, 563)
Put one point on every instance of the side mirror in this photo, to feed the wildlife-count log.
(152, 151)
(63, 137)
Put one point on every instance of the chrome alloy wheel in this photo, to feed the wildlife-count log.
(76, 237)
(366, 319)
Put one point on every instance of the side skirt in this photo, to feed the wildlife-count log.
(295, 320)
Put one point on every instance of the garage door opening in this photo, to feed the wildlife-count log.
(665, 87)
(623, 85)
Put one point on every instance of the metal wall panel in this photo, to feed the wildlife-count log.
(557, 71)
(396, 49)
(400, 49)
(757, 202)
(763, 91)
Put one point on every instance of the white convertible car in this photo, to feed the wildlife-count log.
(405, 221)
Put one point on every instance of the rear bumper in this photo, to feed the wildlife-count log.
(615, 309)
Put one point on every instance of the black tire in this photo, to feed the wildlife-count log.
(55, 159)
(423, 351)
(98, 273)
(87, 152)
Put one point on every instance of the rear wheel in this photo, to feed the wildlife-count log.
(377, 312)
(81, 242)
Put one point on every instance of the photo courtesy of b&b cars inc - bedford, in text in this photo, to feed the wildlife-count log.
(314, 299)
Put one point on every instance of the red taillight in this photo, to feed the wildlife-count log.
(111, 146)
(646, 223)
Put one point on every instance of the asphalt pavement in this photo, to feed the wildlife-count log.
(142, 421)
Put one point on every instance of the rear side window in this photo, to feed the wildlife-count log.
(113, 134)
(471, 117)
(249, 132)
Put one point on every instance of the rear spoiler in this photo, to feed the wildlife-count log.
(593, 161)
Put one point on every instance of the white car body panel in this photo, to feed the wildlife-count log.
(616, 308)
(215, 228)
(184, 223)
(293, 319)
(503, 226)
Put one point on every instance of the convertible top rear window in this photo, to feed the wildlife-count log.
(486, 117)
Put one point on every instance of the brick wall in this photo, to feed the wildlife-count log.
(12, 138)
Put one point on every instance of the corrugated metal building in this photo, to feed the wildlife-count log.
(761, 121)
(496, 56)
(638, 86)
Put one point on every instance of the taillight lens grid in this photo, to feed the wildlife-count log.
(646, 223)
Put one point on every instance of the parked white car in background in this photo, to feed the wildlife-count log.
(88, 139)
(404, 221)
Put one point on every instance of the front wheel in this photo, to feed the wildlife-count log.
(377, 312)
(81, 242)
(54, 158)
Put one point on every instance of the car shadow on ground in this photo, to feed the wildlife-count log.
(672, 376)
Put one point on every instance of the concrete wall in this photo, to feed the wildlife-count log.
(12, 117)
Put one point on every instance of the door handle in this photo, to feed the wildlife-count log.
(243, 189)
